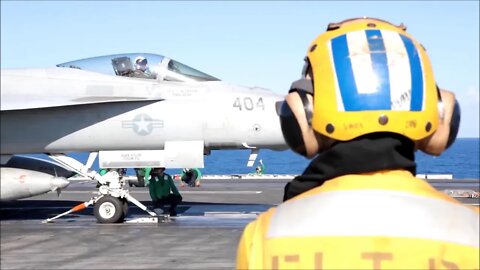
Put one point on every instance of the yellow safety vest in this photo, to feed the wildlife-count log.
(382, 220)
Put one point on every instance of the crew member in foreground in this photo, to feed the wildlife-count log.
(367, 100)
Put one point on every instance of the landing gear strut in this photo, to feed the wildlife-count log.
(111, 203)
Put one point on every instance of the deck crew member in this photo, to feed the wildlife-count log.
(163, 191)
(190, 177)
(367, 100)
(260, 169)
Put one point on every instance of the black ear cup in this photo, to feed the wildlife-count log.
(291, 129)
(455, 120)
(307, 107)
(292, 133)
(447, 130)
(454, 124)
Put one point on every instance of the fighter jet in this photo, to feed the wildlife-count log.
(129, 110)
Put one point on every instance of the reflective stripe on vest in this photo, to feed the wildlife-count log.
(375, 213)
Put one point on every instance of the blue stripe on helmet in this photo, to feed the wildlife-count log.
(416, 101)
(343, 69)
(352, 100)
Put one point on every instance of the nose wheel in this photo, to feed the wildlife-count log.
(109, 209)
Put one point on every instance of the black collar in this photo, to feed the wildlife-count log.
(368, 153)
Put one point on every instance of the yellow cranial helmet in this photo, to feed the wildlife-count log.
(365, 76)
(371, 76)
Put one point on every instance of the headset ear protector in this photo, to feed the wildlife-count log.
(296, 119)
(454, 116)
(447, 130)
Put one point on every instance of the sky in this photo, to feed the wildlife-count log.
(251, 43)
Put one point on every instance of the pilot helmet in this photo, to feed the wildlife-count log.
(141, 63)
(362, 76)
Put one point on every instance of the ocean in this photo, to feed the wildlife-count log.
(461, 160)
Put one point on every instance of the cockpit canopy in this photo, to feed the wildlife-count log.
(140, 65)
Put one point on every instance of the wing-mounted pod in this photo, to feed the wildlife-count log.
(38, 165)
(23, 177)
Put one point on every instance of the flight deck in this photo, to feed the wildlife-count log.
(205, 234)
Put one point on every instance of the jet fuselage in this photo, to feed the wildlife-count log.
(60, 110)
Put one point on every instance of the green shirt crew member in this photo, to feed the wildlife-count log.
(163, 190)
(191, 177)
(102, 172)
(144, 173)
(260, 170)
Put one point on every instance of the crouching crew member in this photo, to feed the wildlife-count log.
(163, 191)
(190, 177)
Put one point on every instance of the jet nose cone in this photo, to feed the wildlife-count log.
(59, 183)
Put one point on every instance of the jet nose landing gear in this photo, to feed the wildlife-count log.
(108, 208)
(111, 202)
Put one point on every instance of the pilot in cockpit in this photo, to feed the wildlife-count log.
(141, 69)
